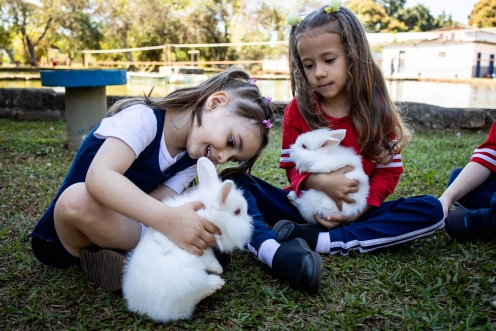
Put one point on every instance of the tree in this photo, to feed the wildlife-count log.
(6, 31)
(418, 18)
(484, 14)
(392, 7)
(372, 15)
(77, 28)
(32, 22)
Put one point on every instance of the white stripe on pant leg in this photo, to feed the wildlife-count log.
(385, 242)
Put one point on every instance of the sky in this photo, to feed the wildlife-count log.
(459, 9)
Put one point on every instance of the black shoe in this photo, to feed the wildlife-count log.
(298, 265)
(223, 257)
(103, 267)
(286, 230)
(470, 225)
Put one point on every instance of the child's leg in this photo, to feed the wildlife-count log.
(478, 220)
(293, 261)
(478, 198)
(80, 222)
(392, 223)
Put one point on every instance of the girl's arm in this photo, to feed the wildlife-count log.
(162, 192)
(472, 176)
(107, 185)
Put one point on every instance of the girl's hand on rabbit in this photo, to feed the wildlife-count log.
(337, 220)
(190, 231)
(334, 184)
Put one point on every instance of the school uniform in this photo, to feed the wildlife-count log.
(146, 172)
(483, 196)
(386, 224)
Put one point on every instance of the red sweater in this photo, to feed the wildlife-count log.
(485, 154)
(383, 178)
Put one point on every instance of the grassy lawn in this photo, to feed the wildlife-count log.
(427, 284)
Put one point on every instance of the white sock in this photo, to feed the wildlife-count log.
(323, 243)
(143, 230)
(267, 251)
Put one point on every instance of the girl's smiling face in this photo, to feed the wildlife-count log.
(324, 61)
(223, 136)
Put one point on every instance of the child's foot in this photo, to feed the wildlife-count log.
(298, 265)
(286, 230)
(470, 225)
(103, 267)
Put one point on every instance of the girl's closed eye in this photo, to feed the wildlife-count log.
(308, 66)
(330, 60)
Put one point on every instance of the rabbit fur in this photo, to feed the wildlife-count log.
(319, 151)
(166, 282)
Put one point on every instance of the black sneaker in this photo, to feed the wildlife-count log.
(103, 267)
(286, 230)
(298, 265)
(470, 225)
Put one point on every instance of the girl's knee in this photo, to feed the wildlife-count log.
(74, 205)
(432, 206)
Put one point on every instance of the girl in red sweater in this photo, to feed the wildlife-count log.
(337, 85)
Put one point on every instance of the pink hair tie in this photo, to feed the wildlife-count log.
(252, 81)
(268, 100)
(267, 123)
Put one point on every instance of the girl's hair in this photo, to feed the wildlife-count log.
(372, 112)
(245, 99)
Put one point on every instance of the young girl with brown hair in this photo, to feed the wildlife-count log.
(144, 151)
(337, 85)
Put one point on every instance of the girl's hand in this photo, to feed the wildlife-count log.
(337, 220)
(334, 184)
(446, 203)
(189, 230)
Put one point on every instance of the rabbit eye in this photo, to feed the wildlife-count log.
(237, 211)
(304, 146)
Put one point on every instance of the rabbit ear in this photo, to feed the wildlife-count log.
(337, 134)
(207, 174)
(224, 192)
(330, 143)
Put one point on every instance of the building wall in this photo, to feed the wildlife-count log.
(441, 60)
(486, 51)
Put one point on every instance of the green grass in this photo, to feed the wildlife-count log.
(426, 284)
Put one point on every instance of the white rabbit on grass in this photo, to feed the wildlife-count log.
(319, 151)
(166, 282)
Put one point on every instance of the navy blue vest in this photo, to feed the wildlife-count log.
(144, 172)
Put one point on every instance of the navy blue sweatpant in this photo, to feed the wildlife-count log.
(483, 196)
(392, 223)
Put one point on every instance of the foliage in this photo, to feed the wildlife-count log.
(31, 22)
(372, 15)
(391, 16)
(427, 284)
(484, 14)
(75, 25)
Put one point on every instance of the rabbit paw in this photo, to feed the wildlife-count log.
(215, 268)
(212, 265)
(215, 284)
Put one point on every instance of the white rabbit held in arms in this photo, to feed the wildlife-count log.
(319, 151)
(166, 282)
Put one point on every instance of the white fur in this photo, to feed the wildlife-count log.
(319, 151)
(166, 282)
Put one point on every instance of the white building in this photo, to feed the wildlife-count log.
(446, 53)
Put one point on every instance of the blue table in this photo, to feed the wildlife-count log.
(85, 98)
